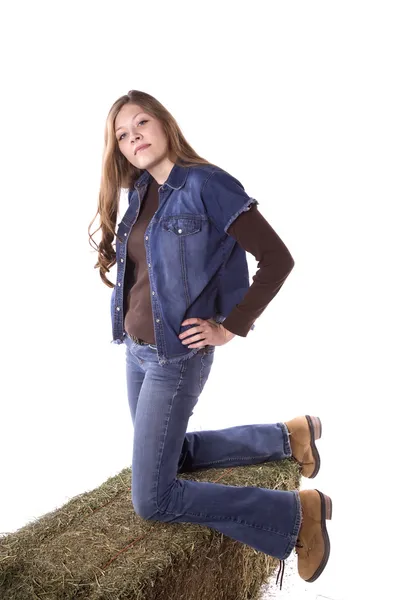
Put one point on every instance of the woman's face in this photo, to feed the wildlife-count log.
(133, 127)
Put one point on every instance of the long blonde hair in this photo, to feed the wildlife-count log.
(117, 172)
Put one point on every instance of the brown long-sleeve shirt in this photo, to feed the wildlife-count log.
(252, 232)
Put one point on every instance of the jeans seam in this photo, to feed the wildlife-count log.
(231, 519)
(296, 526)
(183, 369)
(202, 367)
(223, 460)
(287, 449)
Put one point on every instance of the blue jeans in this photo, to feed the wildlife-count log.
(161, 401)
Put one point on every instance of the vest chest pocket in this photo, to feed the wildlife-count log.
(182, 225)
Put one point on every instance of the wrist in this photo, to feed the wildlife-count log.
(228, 333)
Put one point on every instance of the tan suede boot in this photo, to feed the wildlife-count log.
(313, 546)
(303, 431)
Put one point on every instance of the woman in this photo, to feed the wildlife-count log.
(182, 289)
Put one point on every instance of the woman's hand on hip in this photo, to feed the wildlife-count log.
(206, 332)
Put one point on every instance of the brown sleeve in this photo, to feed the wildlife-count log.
(254, 234)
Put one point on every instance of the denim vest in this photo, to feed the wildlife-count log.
(195, 268)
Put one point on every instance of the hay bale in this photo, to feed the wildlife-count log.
(96, 547)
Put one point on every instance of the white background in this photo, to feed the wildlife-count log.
(300, 102)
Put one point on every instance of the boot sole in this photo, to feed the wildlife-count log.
(326, 513)
(315, 426)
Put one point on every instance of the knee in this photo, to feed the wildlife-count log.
(147, 510)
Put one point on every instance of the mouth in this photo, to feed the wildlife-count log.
(142, 148)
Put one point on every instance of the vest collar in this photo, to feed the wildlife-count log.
(176, 178)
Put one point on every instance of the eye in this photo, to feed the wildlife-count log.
(143, 121)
